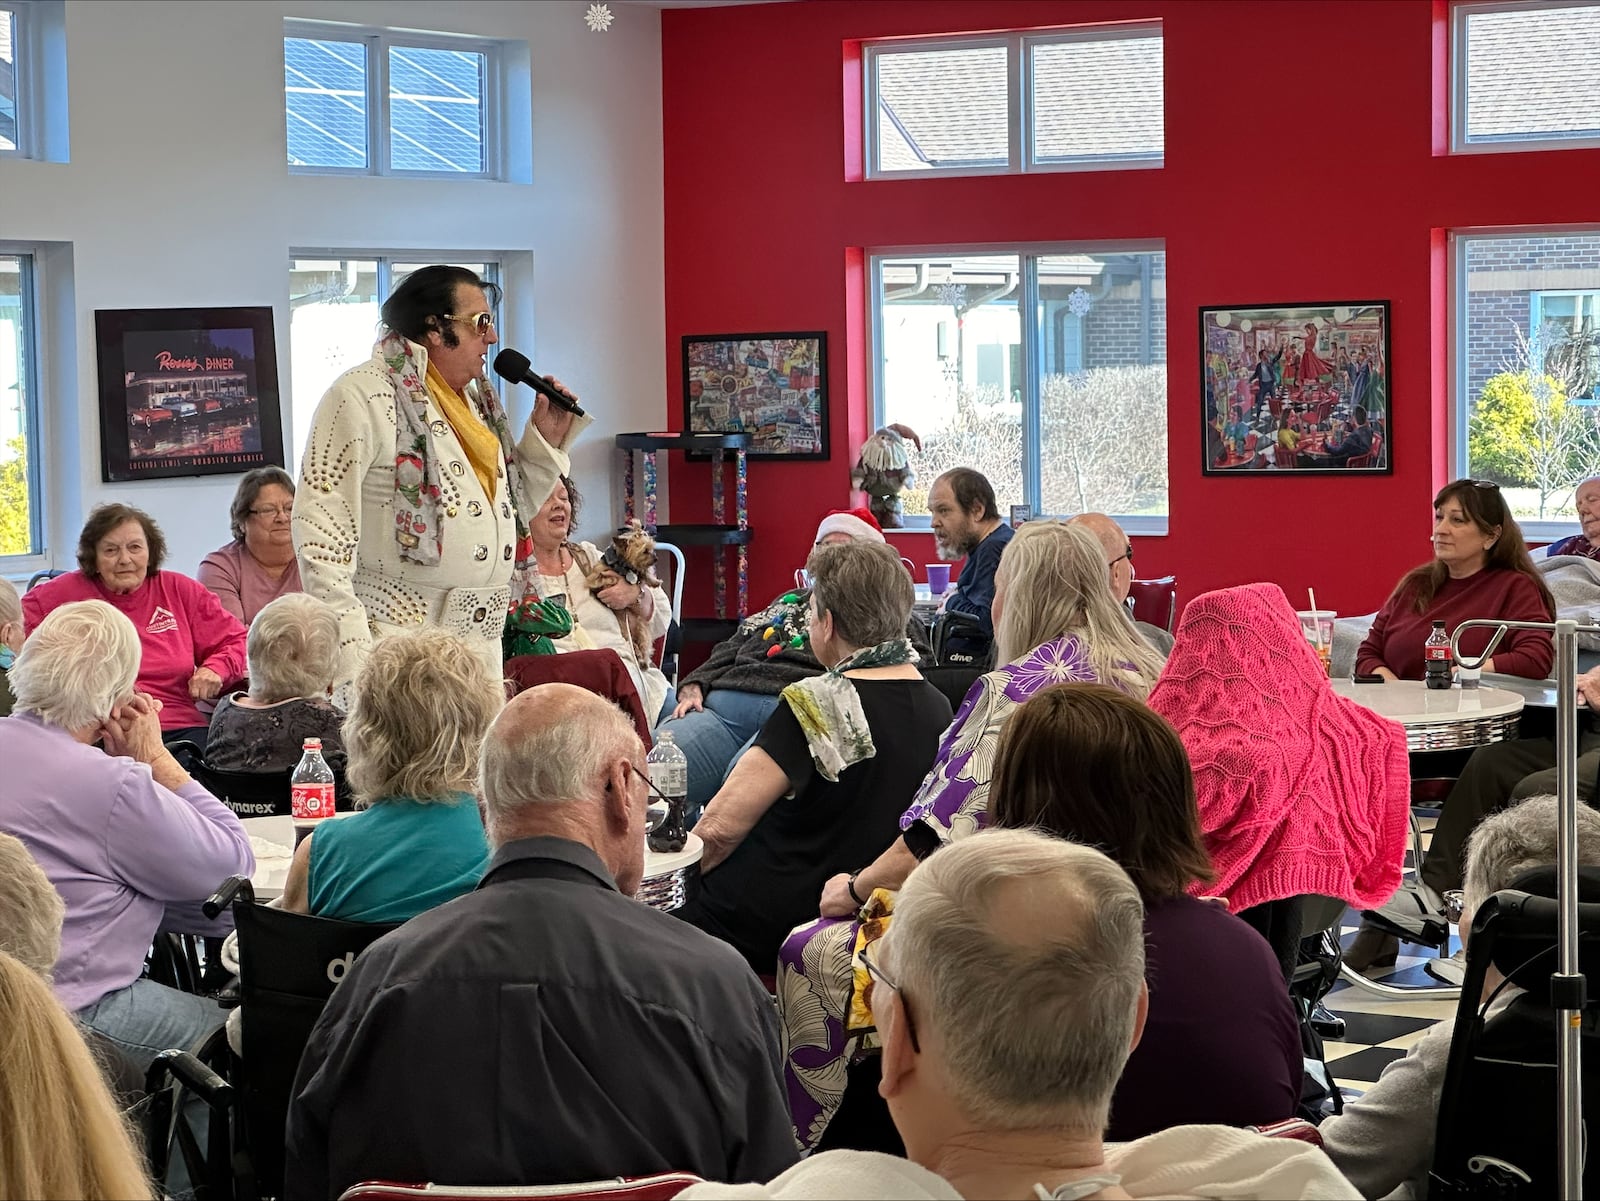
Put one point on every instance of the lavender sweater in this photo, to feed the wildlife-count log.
(117, 846)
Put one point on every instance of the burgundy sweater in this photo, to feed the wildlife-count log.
(1396, 638)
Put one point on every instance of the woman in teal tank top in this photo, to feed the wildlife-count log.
(420, 707)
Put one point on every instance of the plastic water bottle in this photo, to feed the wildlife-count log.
(1436, 657)
(311, 789)
(669, 772)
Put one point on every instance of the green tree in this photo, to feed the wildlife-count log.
(14, 525)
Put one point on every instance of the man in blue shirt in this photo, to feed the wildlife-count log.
(966, 524)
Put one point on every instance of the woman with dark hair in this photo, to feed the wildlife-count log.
(415, 494)
(1091, 763)
(192, 646)
(258, 566)
(1480, 569)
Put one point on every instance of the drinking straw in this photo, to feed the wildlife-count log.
(1316, 621)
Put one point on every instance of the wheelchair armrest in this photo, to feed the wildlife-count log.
(188, 1071)
(231, 888)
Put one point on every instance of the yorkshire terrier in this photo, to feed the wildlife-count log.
(630, 559)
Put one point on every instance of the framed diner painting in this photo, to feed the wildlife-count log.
(187, 392)
(1299, 388)
(771, 386)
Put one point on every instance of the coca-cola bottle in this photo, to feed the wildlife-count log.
(310, 789)
(1436, 657)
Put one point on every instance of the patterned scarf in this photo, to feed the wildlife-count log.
(829, 711)
(417, 464)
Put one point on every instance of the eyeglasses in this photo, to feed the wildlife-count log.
(271, 512)
(655, 813)
(481, 322)
(875, 973)
(1455, 905)
(1127, 554)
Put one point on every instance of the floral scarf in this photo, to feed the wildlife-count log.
(417, 464)
(829, 711)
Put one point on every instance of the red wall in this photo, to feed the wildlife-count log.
(1301, 165)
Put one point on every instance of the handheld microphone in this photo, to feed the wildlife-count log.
(515, 368)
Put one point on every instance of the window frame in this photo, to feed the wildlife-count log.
(380, 119)
(25, 57)
(1021, 152)
(35, 436)
(1028, 256)
(1459, 83)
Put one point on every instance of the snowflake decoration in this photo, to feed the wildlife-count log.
(1078, 303)
(598, 18)
(954, 295)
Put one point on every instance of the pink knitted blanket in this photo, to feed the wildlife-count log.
(1300, 790)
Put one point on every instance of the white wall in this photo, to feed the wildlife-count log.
(161, 85)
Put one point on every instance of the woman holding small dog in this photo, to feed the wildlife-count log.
(625, 615)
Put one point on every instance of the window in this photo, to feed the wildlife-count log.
(1527, 368)
(1044, 368)
(20, 517)
(374, 103)
(1521, 78)
(333, 319)
(1065, 100)
(10, 134)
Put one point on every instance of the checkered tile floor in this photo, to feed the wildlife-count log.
(1379, 1030)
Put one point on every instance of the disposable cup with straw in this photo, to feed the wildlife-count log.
(1323, 643)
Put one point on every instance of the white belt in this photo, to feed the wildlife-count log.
(472, 613)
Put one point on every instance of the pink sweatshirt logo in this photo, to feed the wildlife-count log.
(161, 622)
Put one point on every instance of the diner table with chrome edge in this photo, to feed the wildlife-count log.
(1434, 719)
(666, 875)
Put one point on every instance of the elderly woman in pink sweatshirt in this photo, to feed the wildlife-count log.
(122, 832)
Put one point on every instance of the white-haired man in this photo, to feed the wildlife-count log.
(1008, 992)
(547, 1027)
(1119, 560)
(1383, 1141)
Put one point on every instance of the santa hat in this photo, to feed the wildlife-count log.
(858, 523)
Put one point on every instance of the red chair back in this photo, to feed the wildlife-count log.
(601, 672)
(1155, 601)
(661, 1187)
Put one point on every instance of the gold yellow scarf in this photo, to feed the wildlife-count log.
(477, 439)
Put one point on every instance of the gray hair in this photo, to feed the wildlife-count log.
(866, 588)
(1054, 577)
(250, 485)
(419, 708)
(292, 648)
(31, 910)
(1510, 842)
(10, 602)
(551, 763)
(1035, 1018)
(78, 663)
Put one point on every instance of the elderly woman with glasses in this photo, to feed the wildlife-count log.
(193, 647)
(1480, 569)
(259, 564)
(415, 492)
(421, 706)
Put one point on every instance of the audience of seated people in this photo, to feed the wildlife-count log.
(832, 769)
(419, 709)
(1008, 992)
(1383, 1141)
(599, 621)
(546, 1027)
(192, 648)
(1301, 791)
(723, 703)
(259, 565)
(966, 525)
(1055, 620)
(123, 834)
(10, 638)
(1480, 569)
(1119, 558)
(292, 650)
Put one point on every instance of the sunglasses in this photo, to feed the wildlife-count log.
(1127, 554)
(655, 813)
(875, 973)
(481, 322)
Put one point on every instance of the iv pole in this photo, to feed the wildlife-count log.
(1567, 986)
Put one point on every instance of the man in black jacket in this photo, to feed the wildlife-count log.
(545, 1028)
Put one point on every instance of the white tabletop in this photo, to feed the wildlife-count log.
(1413, 703)
(272, 839)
